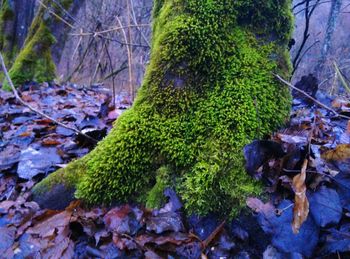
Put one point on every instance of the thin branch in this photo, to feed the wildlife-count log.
(310, 97)
(129, 60)
(96, 33)
(8, 78)
(56, 15)
(135, 21)
(302, 56)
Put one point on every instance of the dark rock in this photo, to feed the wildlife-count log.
(57, 198)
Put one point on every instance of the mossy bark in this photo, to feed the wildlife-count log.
(6, 31)
(209, 90)
(34, 61)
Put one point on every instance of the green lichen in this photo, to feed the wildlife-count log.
(209, 90)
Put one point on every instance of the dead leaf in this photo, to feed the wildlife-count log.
(340, 153)
(55, 223)
(258, 206)
(123, 220)
(301, 207)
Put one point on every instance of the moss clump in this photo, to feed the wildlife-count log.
(208, 91)
(34, 61)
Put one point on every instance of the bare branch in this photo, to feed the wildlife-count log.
(310, 97)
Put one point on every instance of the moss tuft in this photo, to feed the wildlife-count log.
(208, 91)
(155, 197)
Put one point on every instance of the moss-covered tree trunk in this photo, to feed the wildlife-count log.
(32, 61)
(209, 90)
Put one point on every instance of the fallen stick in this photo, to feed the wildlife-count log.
(310, 97)
(8, 78)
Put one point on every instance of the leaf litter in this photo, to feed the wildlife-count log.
(307, 181)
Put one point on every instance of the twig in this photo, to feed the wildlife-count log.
(131, 88)
(56, 15)
(135, 21)
(8, 78)
(310, 97)
(213, 235)
(96, 33)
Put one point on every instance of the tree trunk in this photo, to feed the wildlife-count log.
(331, 26)
(15, 19)
(34, 61)
(209, 90)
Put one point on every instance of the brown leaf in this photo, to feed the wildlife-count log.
(171, 238)
(301, 204)
(340, 153)
(51, 142)
(48, 227)
(61, 248)
(123, 220)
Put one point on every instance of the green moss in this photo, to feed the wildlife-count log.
(208, 91)
(155, 197)
(6, 37)
(34, 61)
(63, 177)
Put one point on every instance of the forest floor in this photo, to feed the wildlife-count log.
(304, 166)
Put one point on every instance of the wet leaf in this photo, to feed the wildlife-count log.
(325, 207)
(51, 226)
(340, 153)
(7, 238)
(337, 240)
(258, 152)
(124, 220)
(163, 222)
(280, 228)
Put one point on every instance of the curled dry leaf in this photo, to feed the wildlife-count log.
(301, 207)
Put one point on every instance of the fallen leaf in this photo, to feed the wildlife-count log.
(123, 220)
(7, 238)
(301, 207)
(169, 221)
(340, 153)
(325, 207)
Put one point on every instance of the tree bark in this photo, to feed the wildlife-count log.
(331, 26)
